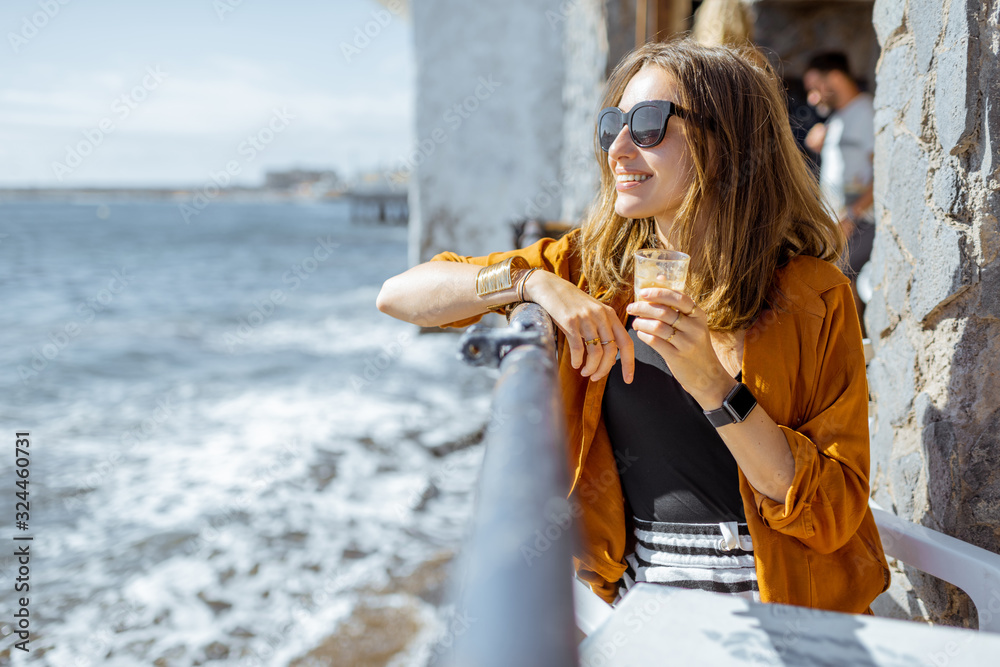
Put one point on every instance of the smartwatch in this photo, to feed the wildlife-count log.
(736, 406)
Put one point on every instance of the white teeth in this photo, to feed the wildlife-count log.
(624, 178)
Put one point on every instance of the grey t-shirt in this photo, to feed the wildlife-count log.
(847, 152)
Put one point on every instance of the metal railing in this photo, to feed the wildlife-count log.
(513, 590)
(513, 587)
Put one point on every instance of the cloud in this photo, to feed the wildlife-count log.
(223, 82)
(193, 122)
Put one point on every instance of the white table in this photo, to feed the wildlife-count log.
(661, 625)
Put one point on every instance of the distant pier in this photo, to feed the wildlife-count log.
(385, 208)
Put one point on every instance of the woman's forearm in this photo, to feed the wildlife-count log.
(762, 452)
(758, 445)
(435, 293)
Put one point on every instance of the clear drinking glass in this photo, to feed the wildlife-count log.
(660, 268)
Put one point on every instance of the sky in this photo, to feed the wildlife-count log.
(137, 93)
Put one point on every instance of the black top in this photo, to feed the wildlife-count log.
(673, 464)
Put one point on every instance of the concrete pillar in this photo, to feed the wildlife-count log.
(587, 53)
(935, 315)
(489, 121)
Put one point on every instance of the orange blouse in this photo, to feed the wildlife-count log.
(805, 364)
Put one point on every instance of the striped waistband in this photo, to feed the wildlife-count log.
(687, 528)
(694, 539)
(709, 556)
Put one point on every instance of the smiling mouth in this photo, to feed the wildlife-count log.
(630, 178)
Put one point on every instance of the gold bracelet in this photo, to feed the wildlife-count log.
(522, 280)
(501, 277)
(498, 277)
(491, 278)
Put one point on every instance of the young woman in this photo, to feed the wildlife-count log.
(718, 438)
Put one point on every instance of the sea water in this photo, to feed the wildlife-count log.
(235, 457)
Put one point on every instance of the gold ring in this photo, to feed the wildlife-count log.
(672, 334)
(676, 318)
(594, 341)
(605, 342)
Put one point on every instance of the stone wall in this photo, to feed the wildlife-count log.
(935, 315)
(489, 124)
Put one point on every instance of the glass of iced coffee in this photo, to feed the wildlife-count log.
(660, 268)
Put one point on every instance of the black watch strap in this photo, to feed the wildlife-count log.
(736, 406)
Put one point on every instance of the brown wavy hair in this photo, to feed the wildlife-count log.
(753, 203)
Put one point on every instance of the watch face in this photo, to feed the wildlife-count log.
(742, 401)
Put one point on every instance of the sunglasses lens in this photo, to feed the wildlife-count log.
(647, 123)
(608, 128)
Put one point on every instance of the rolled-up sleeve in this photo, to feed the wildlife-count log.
(828, 496)
(548, 254)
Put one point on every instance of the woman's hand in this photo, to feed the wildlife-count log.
(671, 323)
(583, 318)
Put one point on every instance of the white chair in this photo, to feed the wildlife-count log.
(591, 609)
(976, 571)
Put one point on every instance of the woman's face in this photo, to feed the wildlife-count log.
(665, 170)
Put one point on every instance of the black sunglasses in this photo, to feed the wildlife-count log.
(647, 122)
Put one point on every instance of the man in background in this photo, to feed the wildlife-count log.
(846, 145)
